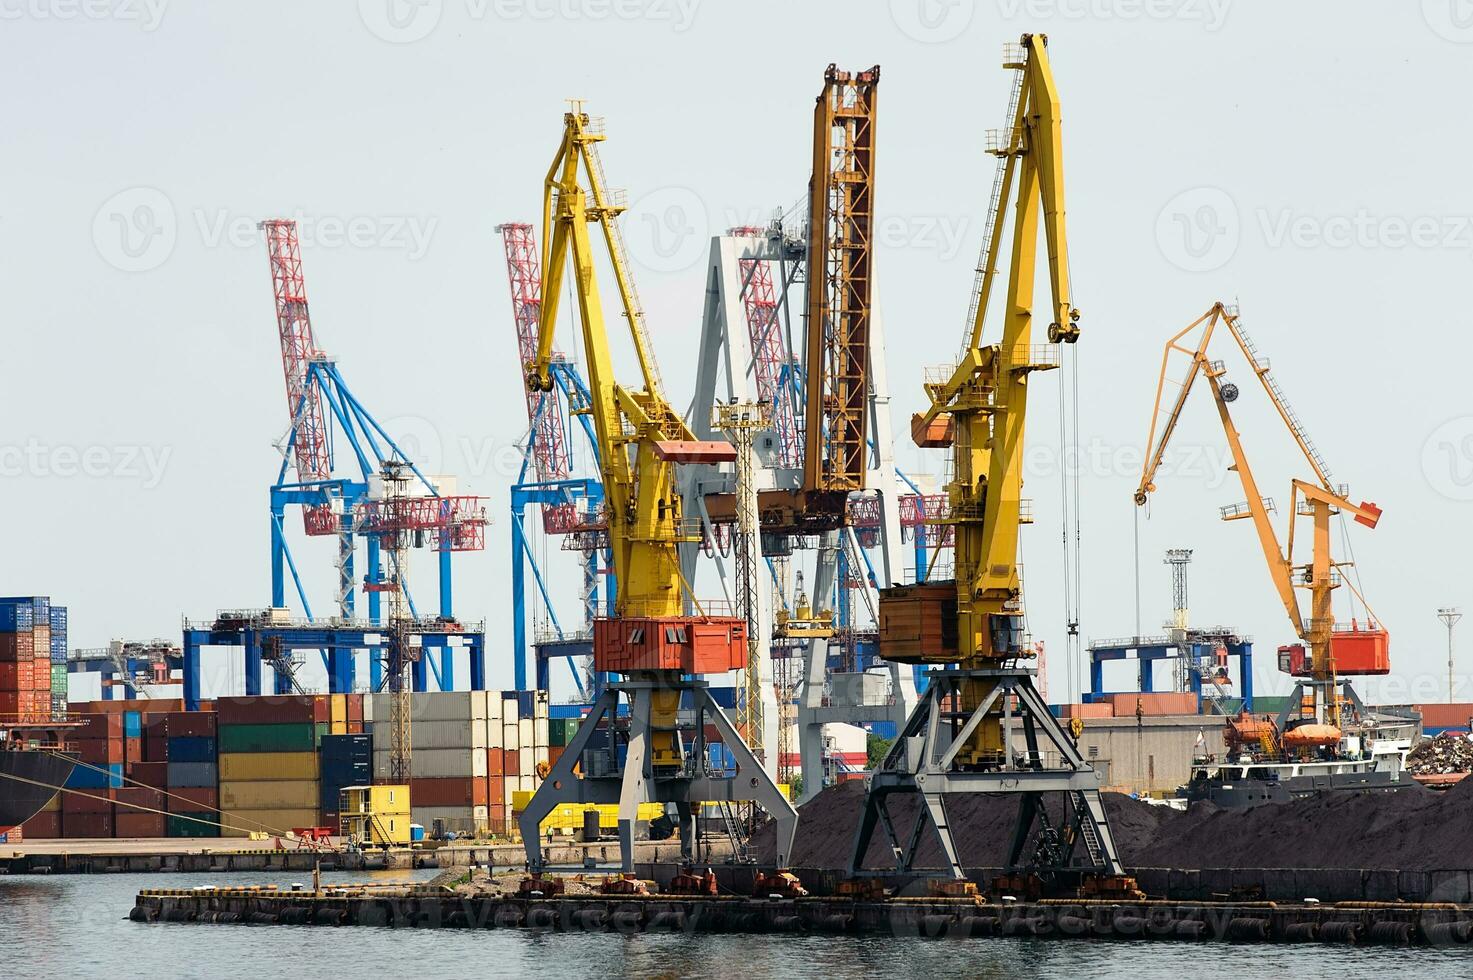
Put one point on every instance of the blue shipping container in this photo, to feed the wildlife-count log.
(15, 618)
(132, 724)
(96, 777)
(183, 775)
(192, 748)
(58, 618)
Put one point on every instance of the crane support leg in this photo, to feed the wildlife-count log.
(642, 780)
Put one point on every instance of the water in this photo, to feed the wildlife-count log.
(76, 926)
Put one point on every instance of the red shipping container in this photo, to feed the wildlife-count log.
(355, 728)
(154, 774)
(355, 709)
(137, 825)
(1455, 715)
(495, 790)
(191, 799)
(75, 826)
(86, 801)
(133, 750)
(10, 676)
(1103, 710)
(190, 724)
(494, 764)
(17, 647)
(43, 826)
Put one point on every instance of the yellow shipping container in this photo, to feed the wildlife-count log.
(569, 816)
(241, 823)
(269, 794)
(376, 799)
(256, 766)
(338, 714)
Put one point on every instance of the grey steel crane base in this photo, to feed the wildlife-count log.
(934, 776)
(637, 783)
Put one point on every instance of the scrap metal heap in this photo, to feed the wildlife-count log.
(647, 639)
(982, 726)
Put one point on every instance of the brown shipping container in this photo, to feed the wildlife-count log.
(99, 751)
(131, 798)
(355, 709)
(91, 825)
(16, 647)
(156, 749)
(133, 750)
(95, 725)
(43, 826)
(191, 799)
(1453, 715)
(134, 825)
(190, 724)
(273, 710)
(9, 676)
(86, 801)
(448, 792)
(154, 774)
(493, 763)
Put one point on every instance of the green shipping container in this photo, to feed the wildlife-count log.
(179, 826)
(268, 738)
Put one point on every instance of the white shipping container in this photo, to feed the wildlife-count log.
(493, 707)
(447, 763)
(511, 736)
(509, 710)
(527, 734)
(541, 705)
(540, 733)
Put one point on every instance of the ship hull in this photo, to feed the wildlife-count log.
(21, 798)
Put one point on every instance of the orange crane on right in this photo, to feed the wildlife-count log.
(1324, 704)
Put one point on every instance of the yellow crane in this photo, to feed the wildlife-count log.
(646, 637)
(972, 712)
(1319, 500)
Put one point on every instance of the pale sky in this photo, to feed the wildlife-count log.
(1308, 160)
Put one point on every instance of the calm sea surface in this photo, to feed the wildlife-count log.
(76, 926)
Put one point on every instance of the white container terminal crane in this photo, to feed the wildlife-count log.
(648, 639)
(982, 726)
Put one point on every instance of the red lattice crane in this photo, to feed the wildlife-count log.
(298, 351)
(550, 459)
(770, 356)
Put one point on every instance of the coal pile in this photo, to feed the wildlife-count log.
(1450, 752)
(1415, 829)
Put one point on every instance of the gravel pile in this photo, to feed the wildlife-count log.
(1415, 829)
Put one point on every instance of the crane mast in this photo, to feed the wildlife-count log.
(1321, 499)
(973, 710)
(646, 638)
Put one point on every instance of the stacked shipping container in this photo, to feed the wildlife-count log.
(25, 658)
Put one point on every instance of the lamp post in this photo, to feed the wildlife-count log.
(1449, 616)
